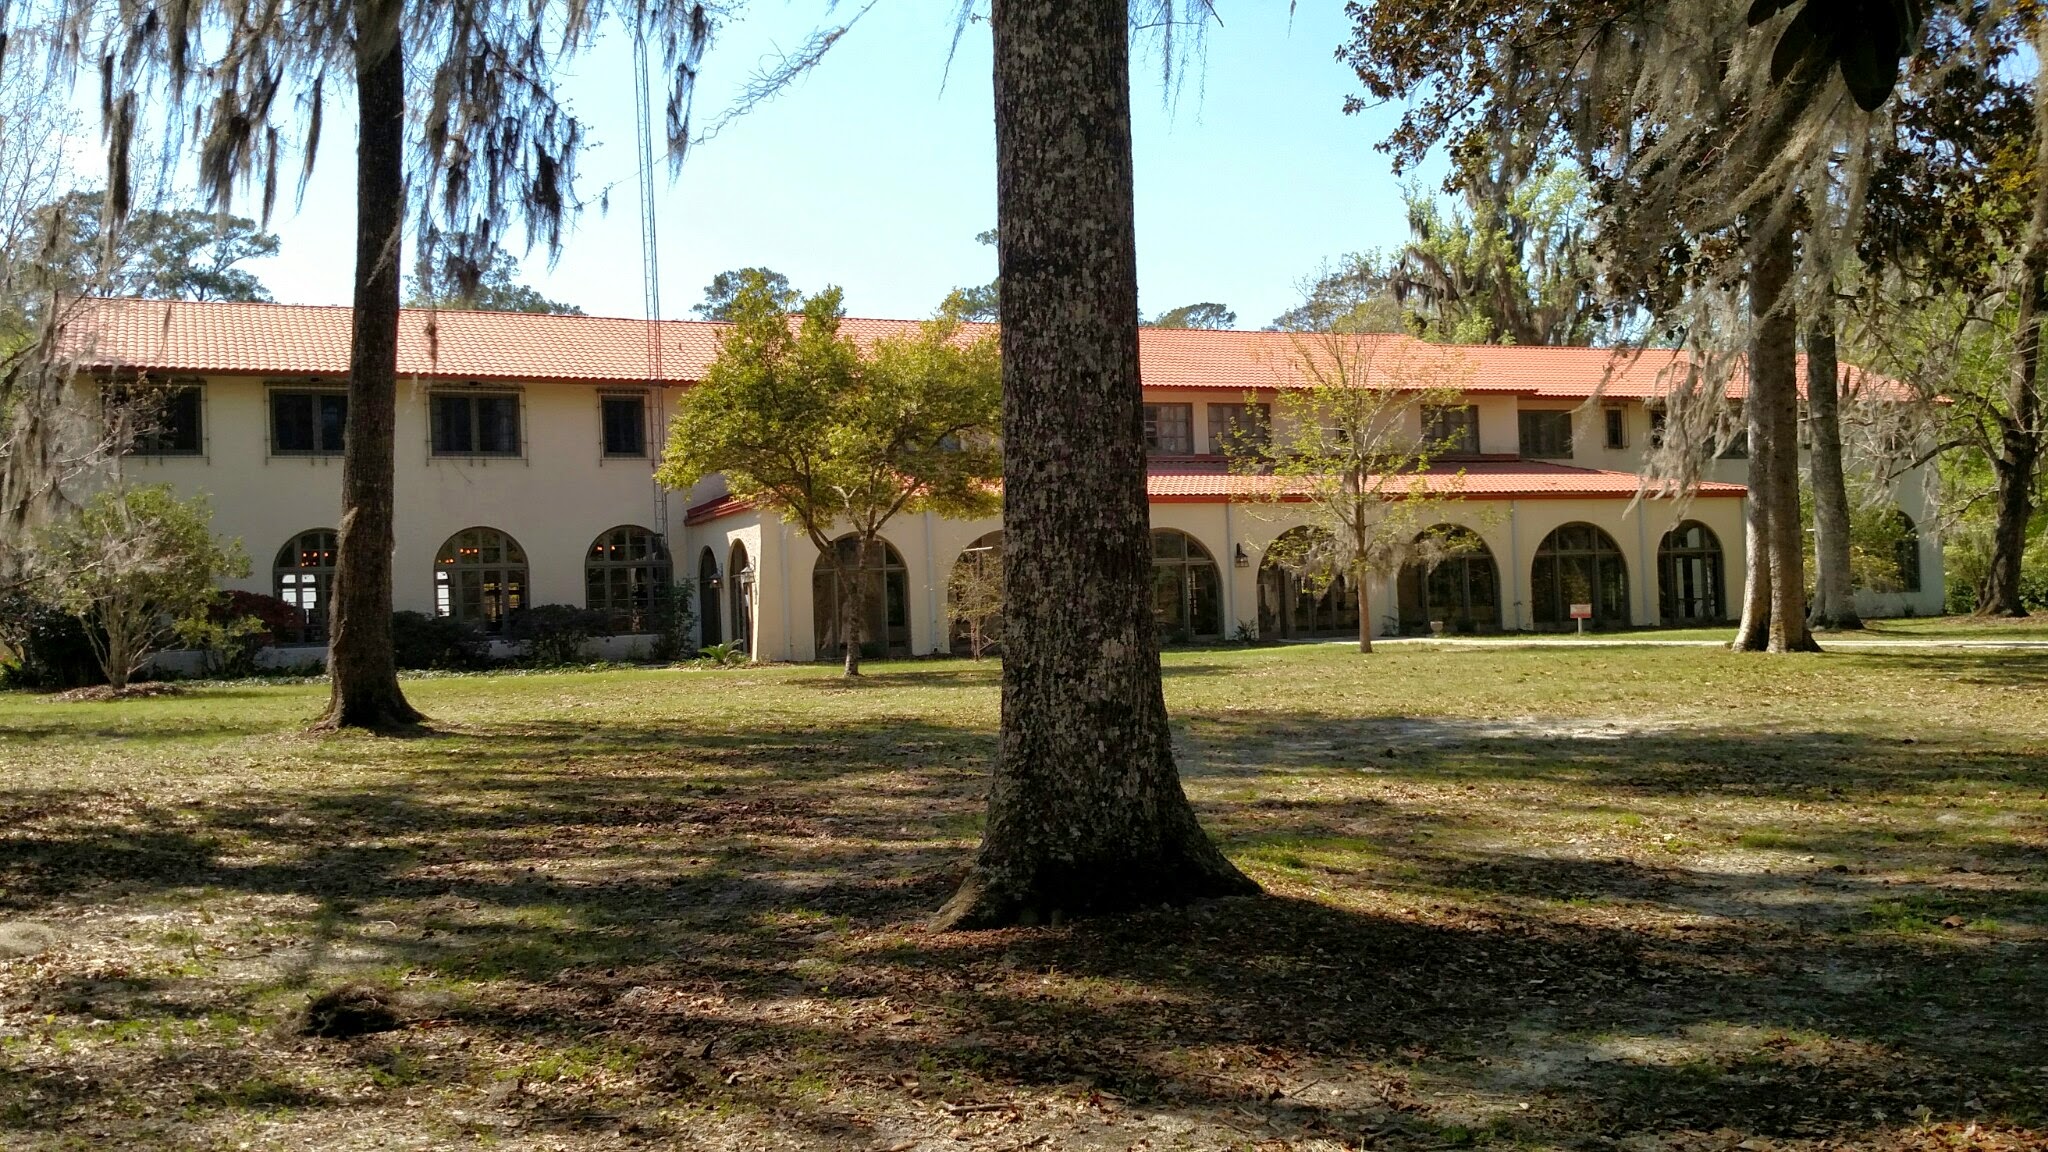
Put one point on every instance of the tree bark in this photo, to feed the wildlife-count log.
(1774, 400)
(361, 666)
(1086, 812)
(1364, 615)
(1754, 632)
(853, 607)
(1834, 598)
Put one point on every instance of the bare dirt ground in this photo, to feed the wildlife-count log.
(1661, 899)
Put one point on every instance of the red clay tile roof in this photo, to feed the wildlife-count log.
(300, 340)
(716, 508)
(1491, 479)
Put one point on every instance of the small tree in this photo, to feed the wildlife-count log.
(975, 594)
(1355, 439)
(797, 418)
(133, 563)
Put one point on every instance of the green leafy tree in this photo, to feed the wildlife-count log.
(722, 294)
(1356, 295)
(157, 253)
(1207, 314)
(978, 302)
(800, 419)
(493, 287)
(1350, 452)
(132, 564)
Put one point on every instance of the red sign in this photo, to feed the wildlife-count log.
(1582, 611)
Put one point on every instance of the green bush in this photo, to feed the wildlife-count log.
(439, 642)
(554, 634)
(45, 647)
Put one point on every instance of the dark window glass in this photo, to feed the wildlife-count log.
(1238, 428)
(1547, 435)
(1170, 429)
(1656, 427)
(466, 425)
(625, 426)
(1451, 429)
(622, 576)
(1736, 445)
(1617, 428)
(165, 419)
(310, 423)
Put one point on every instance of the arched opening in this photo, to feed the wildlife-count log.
(480, 578)
(707, 598)
(303, 577)
(1187, 590)
(1690, 586)
(1579, 564)
(974, 597)
(882, 590)
(1905, 549)
(1295, 604)
(740, 588)
(623, 577)
(1462, 588)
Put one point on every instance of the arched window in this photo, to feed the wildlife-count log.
(1579, 564)
(882, 588)
(707, 598)
(740, 587)
(974, 597)
(303, 576)
(1187, 591)
(1462, 588)
(623, 577)
(1905, 550)
(480, 577)
(1293, 601)
(1689, 582)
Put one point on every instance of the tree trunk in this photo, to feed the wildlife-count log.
(853, 607)
(1086, 812)
(1754, 633)
(2020, 434)
(361, 667)
(1774, 398)
(1834, 598)
(1364, 614)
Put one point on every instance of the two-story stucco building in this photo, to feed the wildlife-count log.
(527, 445)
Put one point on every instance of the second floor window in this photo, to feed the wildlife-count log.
(1617, 427)
(1236, 429)
(1547, 435)
(1451, 429)
(163, 419)
(467, 424)
(308, 423)
(1170, 429)
(625, 426)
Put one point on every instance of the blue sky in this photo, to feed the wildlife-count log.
(872, 175)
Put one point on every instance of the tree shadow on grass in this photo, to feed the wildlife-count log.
(667, 892)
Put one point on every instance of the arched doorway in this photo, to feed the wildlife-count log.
(625, 571)
(1579, 564)
(1294, 605)
(303, 577)
(1462, 588)
(884, 592)
(740, 588)
(1905, 552)
(1187, 590)
(1690, 589)
(480, 578)
(708, 629)
(974, 597)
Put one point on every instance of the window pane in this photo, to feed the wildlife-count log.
(291, 422)
(1547, 435)
(497, 425)
(333, 421)
(625, 426)
(452, 425)
(1169, 428)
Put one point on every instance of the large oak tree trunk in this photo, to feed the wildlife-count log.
(1086, 812)
(1834, 597)
(1774, 389)
(853, 604)
(361, 666)
(1364, 613)
(1754, 632)
(2018, 454)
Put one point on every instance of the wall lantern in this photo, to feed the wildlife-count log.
(1243, 561)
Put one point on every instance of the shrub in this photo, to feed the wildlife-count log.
(441, 642)
(730, 654)
(554, 634)
(672, 620)
(280, 621)
(46, 647)
(227, 647)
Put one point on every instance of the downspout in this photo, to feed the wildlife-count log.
(1515, 561)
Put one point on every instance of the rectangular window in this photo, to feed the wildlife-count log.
(1170, 429)
(625, 425)
(1451, 429)
(467, 424)
(1617, 427)
(1656, 427)
(1238, 429)
(1735, 445)
(164, 419)
(308, 423)
(1547, 435)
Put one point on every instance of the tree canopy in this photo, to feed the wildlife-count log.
(158, 253)
(722, 294)
(1207, 314)
(494, 287)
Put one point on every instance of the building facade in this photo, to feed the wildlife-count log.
(527, 444)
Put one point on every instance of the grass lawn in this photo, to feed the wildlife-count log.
(1940, 628)
(1631, 897)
